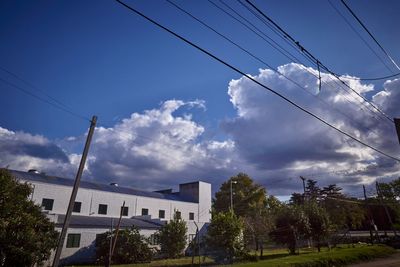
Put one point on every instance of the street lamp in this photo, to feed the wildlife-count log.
(232, 182)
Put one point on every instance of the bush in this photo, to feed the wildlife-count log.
(173, 238)
(224, 238)
(131, 247)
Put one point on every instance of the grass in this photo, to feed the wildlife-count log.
(339, 256)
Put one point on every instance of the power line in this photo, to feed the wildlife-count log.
(255, 81)
(295, 45)
(55, 105)
(370, 34)
(306, 52)
(358, 34)
(374, 79)
(281, 48)
(265, 63)
(33, 87)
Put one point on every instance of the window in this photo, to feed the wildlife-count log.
(102, 209)
(145, 211)
(161, 214)
(178, 214)
(191, 216)
(47, 203)
(124, 211)
(77, 206)
(73, 240)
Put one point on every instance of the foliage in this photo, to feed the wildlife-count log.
(245, 193)
(131, 247)
(291, 224)
(224, 238)
(318, 222)
(26, 234)
(173, 238)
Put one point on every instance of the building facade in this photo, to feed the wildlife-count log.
(98, 206)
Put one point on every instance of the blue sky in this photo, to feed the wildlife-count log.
(99, 58)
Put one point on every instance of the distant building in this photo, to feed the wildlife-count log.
(97, 206)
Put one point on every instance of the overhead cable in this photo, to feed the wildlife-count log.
(254, 80)
(369, 33)
(305, 51)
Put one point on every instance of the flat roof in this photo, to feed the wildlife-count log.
(79, 221)
(38, 177)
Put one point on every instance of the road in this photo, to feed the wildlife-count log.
(392, 261)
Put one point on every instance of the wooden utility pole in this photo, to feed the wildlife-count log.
(116, 232)
(372, 226)
(304, 188)
(379, 192)
(67, 218)
(397, 124)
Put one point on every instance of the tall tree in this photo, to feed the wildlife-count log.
(319, 223)
(26, 234)
(245, 194)
(291, 223)
(224, 238)
(173, 238)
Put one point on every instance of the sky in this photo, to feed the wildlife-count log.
(168, 113)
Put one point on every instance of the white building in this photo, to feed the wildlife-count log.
(97, 205)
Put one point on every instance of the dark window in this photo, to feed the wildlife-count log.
(102, 209)
(145, 211)
(191, 216)
(77, 207)
(47, 203)
(73, 240)
(161, 214)
(124, 211)
(178, 214)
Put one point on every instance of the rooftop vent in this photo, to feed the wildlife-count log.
(34, 171)
(113, 184)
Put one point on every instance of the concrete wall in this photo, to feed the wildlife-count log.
(91, 199)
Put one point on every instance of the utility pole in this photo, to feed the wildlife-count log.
(397, 124)
(379, 192)
(67, 218)
(116, 233)
(232, 182)
(371, 219)
(304, 188)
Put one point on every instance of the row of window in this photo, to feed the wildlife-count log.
(47, 204)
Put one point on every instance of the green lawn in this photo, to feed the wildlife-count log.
(336, 257)
(279, 257)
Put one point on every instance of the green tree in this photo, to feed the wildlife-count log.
(26, 234)
(319, 223)
(173, 238)
(245, 193)
(291, 224)
(131, 247)
(224, 238)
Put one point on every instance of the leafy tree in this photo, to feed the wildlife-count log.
(26, 234)
(131, 247)
(246, 194)
(343, 211)
(258, 225)
(224, 237)
(313, 192)
(291, 223)
(319, 223)
(173, 238)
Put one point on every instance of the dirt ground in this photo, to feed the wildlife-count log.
(392, 261)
